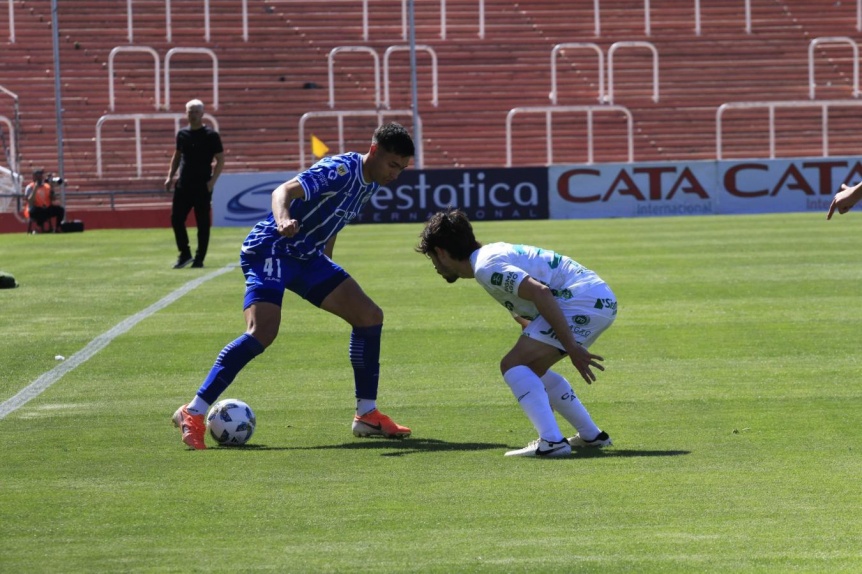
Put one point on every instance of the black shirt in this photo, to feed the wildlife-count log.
(197, 148)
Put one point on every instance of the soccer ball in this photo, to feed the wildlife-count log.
(231, 422)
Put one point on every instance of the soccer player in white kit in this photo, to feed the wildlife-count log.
(562, 307)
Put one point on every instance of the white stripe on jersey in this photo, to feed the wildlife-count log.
(334, 193)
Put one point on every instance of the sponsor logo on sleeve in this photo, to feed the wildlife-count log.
(509, 286)
(318, 182)
(497, 279)
(565, 294)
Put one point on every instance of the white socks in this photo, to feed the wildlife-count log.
(198, 406)
(530, 393)
(565, 402)
(365, 406)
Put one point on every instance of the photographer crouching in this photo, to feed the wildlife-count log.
(41, 197)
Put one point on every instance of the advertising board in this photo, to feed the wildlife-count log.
(484, 194)
(698, 187)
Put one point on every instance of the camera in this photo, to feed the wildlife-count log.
(55, 180)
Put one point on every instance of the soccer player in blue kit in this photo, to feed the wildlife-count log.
(292, 249)
(562, 308)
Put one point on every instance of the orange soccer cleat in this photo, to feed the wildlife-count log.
(376, 423)
(192, 426)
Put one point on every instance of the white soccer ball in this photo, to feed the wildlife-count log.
(231, 422)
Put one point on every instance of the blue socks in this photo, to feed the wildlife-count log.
(365, 358)
(236, 355)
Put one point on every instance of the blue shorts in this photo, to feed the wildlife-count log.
(267, 277)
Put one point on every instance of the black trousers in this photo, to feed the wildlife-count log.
(42, 214)
(187, 198)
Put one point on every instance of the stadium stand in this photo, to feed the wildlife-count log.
(486, 67)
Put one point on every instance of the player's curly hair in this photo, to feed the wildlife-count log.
(394, 138)
(450, 230)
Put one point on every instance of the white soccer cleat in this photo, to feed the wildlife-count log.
(601, 440)
(542, 447)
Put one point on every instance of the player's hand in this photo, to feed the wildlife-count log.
(843, 201)
(584, 362)
(288, 228)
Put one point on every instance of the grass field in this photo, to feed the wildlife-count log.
(732, 393)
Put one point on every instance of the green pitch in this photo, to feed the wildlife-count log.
(733, 393)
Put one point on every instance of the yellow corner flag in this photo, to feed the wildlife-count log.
(318, 148)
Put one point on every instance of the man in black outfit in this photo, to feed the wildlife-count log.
(197, 145)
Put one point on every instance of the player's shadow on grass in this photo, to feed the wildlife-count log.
(401, 447)
(395, 447)
(613, 452)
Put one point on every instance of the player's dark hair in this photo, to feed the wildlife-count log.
(450, 230)
(394, 138)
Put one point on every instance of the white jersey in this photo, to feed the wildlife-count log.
(501, 267)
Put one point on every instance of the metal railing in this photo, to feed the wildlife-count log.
(14, 158)
(833, 40)
(13, 142)
(597, 19)
(341, 114)
(172, 52)
(145, 49)
(11, 21)
(481, 24)
(159, 194)
(11, 186)
(157, 72)
(611, 52)
(330, 62)
(576, 45)
(177, 117)
(368, 50)
(17, 199)
(824, 106)
(12, 202)
(169, 27)
(549, 110)
(634, 44)
(419, 47)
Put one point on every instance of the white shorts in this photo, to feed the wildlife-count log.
(588, 313)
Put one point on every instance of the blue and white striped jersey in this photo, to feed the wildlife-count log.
(335, 192)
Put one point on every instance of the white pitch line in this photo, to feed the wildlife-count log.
(38, 386)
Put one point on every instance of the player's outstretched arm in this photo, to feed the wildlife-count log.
(845, 199)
